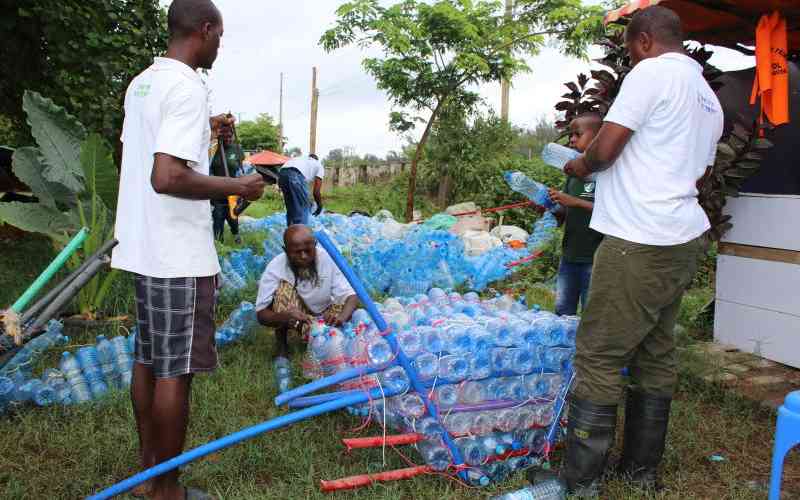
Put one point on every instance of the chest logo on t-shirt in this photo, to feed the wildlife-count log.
(142, 90)
(588, 188)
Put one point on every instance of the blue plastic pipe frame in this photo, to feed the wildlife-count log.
(401, 357)
(237, 437)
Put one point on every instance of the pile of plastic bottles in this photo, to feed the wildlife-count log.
(423, 258)
(92, 371)
(494, 369)
(86, 375)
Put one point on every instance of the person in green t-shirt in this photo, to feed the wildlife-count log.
(580, 242)
(220, 208)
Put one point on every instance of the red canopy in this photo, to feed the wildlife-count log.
(268, 158)
(722, 22)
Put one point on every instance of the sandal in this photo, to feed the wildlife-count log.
(142, 490)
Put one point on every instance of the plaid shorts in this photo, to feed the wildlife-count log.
(175, 319)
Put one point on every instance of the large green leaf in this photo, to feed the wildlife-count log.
(59, 136)
(36, 218)
(28, 169)
(99, 170)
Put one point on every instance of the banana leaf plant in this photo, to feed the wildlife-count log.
(74, 179)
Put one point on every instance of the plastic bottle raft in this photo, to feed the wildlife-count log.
(477, 416)
(494, 371)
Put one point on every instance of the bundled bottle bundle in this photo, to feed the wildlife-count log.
(494, 370)
(88, 374)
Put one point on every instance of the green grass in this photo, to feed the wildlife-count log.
(67, 453)
(21, 261)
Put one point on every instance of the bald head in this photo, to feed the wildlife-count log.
(298, 234)
(188, 17)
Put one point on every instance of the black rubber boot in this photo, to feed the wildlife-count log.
(646, 421)
(590, 435)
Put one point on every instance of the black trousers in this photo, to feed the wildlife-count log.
(219, 214)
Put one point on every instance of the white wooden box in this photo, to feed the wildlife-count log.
(758, 278)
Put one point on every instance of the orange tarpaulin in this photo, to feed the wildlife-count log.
(723, 22)
(772, 74)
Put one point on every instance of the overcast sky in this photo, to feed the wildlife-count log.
(263, 39)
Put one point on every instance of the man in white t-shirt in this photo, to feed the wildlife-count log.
(657, 141)
(293, 179)
(165, 237)
(300, 284)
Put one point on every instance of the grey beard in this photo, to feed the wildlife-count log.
(306, 274)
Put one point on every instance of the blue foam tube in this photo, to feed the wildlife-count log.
(401, 357)
(324, 382)
(307, 401)
(237, 437)
(551, 432)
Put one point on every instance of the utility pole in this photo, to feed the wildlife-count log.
(280, 118)
(312, 146)
(505, 84)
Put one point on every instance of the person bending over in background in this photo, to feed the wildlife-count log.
(293, 179)
(580, 241)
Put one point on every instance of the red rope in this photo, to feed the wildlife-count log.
(375, 441)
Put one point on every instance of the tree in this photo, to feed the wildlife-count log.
(82, 54)
(293, 152)
(462, 146)
(258, 134)
(530, 142)
(432, 53)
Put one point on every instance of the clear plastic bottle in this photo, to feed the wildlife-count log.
(410, 342)
(432, 340)
(123, 358)
(428, 427)
(71, 369)
(87, 357)
(501, 360)
(379, 351)
(411, 405)
(283, 374)
(480, 365)
(552, 489)
(394, 379)
(105, 356)
(472, 392)
(427, 365)
(523, 360)
(6, 389)
(447, 395)
(471, 451)
(435, 454)
(454, 368)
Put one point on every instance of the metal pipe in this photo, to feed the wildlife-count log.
(68, 293)
(36, 307)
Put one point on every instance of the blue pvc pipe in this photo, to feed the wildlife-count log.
(401, 357)
(237, 437)
(324, 382)
(562, 399)
(307, 401)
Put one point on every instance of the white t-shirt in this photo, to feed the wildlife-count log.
(309, 167)
(649, 194)
(333, 287)
(163, 236)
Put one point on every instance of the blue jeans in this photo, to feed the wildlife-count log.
(572, 284)
(295, 196)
